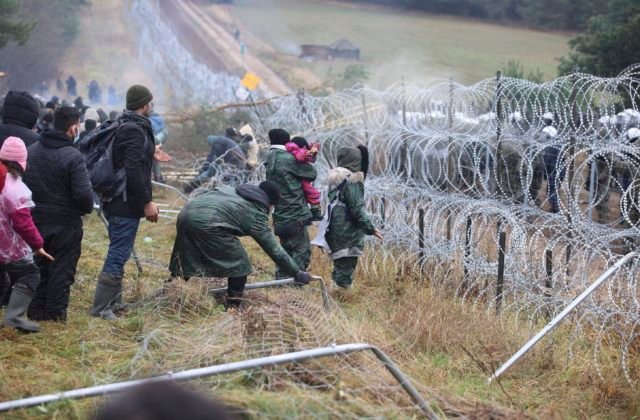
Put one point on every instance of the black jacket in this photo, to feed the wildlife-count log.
(133, 149)
(57, 176)
(19, 115)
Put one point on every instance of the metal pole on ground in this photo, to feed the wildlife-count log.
(556, 321)
(280, 283)
(298, 356)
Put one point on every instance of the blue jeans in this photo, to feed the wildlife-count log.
(122, 235)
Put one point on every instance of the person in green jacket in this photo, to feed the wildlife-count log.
(347, 218)
(292, 214)
(208, 228)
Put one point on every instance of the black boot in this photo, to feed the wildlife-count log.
(235, 290)
(15, 315)
(108, 292)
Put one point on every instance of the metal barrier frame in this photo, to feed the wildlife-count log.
(298, 356)
(281, 283)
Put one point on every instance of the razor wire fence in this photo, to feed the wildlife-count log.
(553, 166)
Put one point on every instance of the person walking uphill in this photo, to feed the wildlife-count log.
(292, 214)
(57, 176)
(346, 215)
(133, 150)
(207, 243)
(19, 238)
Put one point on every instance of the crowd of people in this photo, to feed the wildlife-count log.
(48, 182)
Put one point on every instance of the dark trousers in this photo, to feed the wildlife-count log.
(298, 246)
(56, 277)
(343, 269)
(23, 273)
(5, 287)
(122, 236)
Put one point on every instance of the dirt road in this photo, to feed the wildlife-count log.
(212, 44)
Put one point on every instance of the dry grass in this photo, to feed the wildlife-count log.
(448, 348)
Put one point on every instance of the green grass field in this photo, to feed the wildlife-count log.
(394, 44)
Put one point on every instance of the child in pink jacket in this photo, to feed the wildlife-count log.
(306, 154)
(19, 237)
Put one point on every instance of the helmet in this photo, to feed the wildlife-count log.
(550, 131)
(633, 134)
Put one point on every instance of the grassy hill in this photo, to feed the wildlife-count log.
(393, 44)
(448, 348)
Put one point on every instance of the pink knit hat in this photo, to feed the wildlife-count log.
(13, 149)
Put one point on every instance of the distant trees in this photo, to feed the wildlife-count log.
(553, 14)
(52, 25)
(12, 30)
(610, 43)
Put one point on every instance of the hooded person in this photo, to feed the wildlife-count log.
(250, 148)
(292, 214)
(224, 151)
(90, 114)
(20, 114)
(45, 122)
(208, 228)
(346, 220)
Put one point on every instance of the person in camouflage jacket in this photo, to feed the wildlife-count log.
(208, 228)
(292, 214)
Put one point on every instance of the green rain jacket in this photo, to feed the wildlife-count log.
(349, 220)
(208, 228)
(284, 170)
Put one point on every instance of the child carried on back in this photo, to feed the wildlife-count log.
(306, 153)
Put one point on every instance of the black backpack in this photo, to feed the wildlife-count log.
(97, 148)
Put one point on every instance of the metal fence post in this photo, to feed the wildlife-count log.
(467, 251)
(421, 238)
(499, 285)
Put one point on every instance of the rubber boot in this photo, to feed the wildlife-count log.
(235, 291)
(15, 315)
(108, 291)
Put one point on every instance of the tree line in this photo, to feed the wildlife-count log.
(34, 35)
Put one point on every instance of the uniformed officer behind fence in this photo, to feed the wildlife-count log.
(208, 228)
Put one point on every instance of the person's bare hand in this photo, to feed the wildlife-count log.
(42, 253)
(151, 212)
(378, 234)
(160, 155)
